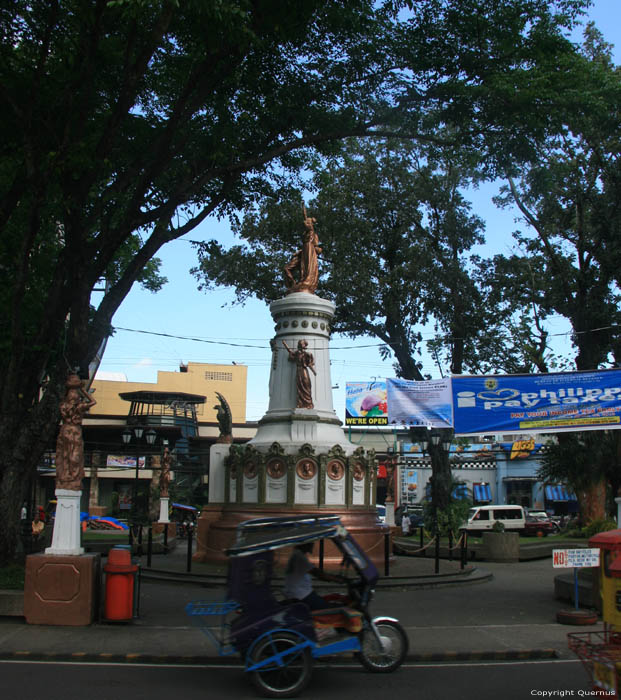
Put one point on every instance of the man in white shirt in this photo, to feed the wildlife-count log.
(298, 581)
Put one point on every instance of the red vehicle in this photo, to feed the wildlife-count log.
(538, 527)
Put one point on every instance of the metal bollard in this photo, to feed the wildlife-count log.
(387, 554)
(149, 545)
(190, 530)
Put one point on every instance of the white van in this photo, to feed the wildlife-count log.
(482, 518)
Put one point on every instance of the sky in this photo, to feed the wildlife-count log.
(180, 324)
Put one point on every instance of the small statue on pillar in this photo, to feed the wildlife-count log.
(70, 444)
(225, 420)
(391, 475)
(304, 361)
(165, 473)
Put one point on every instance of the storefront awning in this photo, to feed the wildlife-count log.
(460, 491)
(482, 493)
(558, 493)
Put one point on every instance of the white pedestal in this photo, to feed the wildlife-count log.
(217, 454)
(66, 537)
(164, 510)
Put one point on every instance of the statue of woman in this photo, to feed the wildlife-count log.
(165, 473)
(70, 445)
(304, 261)
(304, 361)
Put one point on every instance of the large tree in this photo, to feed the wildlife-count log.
(570, 200)
(126, 123)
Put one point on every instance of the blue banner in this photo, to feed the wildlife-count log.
(541, 403)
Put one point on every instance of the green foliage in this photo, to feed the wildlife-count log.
(449, 519)
(599, 526)
(12, 577)
(498, 526)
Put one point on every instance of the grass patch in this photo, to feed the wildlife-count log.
(12, 577)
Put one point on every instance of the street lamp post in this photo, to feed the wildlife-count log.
(150, 437)
(436, 442)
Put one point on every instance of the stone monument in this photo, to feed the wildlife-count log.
(300, 460)
(61, 585)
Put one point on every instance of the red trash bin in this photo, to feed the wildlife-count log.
(120, 577)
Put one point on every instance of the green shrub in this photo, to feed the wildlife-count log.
(596, 526)
(498, 526)
(12, 577)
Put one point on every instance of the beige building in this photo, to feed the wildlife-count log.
(194, 378)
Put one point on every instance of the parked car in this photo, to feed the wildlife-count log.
(544, 517)
(381, 512)
(538, 527)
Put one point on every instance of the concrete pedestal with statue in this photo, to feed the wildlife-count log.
(62, 585)
(300, 460)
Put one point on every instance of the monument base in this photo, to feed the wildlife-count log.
(219, 534)
(62, 590)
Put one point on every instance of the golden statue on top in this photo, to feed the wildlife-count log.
(304, 261)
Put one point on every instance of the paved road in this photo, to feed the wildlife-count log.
(514, 681)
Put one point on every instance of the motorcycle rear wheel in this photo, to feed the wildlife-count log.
(285, 680)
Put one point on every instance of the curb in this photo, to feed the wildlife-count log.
(155, 659)
(468, 577)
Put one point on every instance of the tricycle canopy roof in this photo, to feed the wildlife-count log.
(263, 534)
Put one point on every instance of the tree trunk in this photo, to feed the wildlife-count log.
(593, 502)
(24, 435)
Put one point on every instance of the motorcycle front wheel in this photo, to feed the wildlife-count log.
(393, 649)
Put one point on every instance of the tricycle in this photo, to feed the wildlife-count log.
(278, 639)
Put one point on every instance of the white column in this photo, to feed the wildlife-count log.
(217, 454)
(66, 537)
(164, 510)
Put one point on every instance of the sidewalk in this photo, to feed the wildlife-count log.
(494, 612)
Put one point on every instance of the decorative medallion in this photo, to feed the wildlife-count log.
(335, 470)
(294, 324)
(306, 469)
(322, 326)
(358, 471)
(314, 324)
(285, 324)
(304, 324)
(250, 470)
(275, 468)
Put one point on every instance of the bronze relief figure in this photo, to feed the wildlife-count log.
(304, 361)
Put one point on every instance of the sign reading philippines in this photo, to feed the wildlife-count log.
(537, 402)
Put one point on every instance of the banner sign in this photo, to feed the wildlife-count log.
(574, 558)
(420, 403)
(365, 403)
(544, 403)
